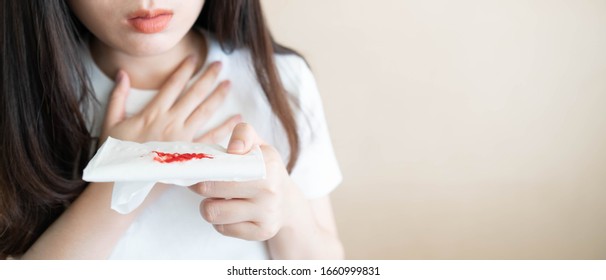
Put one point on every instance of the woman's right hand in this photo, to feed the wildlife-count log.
(173, 114)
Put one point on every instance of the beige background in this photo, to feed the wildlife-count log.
(470, 129)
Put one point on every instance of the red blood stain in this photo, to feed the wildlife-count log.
(177, 157)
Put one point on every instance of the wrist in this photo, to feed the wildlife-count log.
(299, 215)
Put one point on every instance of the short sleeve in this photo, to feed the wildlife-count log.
(316, 171)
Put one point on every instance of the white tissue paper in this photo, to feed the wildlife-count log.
(135, 168)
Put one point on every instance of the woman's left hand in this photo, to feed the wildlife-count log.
(254, 210)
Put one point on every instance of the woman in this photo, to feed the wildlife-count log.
(187, 70)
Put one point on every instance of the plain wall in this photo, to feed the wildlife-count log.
(470, 129)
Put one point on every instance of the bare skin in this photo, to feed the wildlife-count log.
(272, 210)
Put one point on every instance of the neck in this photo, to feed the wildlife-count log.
(148, 72)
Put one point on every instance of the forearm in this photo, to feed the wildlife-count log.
(88, 229)
(310, 233)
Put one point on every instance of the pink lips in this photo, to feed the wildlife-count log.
(150, 21)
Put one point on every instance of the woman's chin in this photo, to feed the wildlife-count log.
(153, 45)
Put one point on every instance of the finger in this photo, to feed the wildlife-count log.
(217, 134)
(172, 88)
(243, 138)
(214, 189)
(116, 105)
(206, 109)
(228, 211)
(198, 92)
(247, 231)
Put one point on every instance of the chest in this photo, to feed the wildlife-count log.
(245, 98)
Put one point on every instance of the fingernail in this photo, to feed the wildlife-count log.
(119, 76)
(227, 84)
(236, 146)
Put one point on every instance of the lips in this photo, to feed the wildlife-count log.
(150, 21)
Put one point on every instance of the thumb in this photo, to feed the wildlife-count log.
(116, 105)
(243, 138)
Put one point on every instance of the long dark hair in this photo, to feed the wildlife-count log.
(44, 141)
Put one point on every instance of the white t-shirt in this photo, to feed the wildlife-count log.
(172, 227)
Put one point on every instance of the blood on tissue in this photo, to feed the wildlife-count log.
(177, 157)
